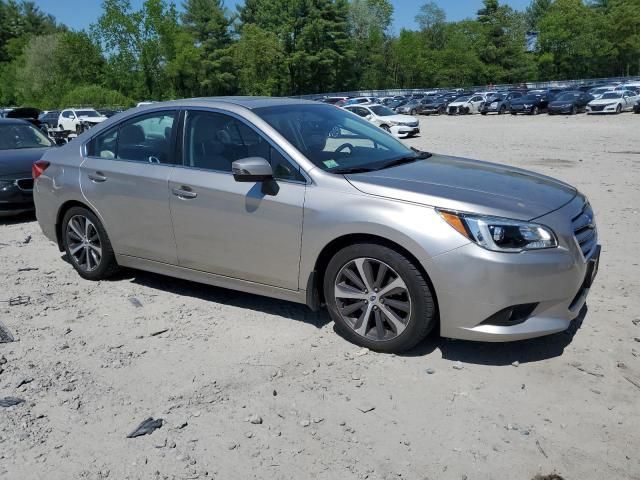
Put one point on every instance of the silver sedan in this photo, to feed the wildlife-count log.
(309, 203)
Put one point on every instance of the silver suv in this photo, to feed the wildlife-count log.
(309, 203)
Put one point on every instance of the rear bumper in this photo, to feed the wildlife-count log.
(475, 287)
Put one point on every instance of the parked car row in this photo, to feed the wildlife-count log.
(590, 99)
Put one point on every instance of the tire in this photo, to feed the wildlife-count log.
(413, 112)
(378, 333)
(502, 110)
(619, 109)
(95, 266)
(441, 111)
(483, 113)
(514, 113)
(574, 110)
(535, 111)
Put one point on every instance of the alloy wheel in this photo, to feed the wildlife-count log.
(83, 241)
(372, 299)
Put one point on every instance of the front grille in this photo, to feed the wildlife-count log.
(585, 231)
(453, 110)
(597, 108)
(25, 184)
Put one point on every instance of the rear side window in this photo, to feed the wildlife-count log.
(145, 138)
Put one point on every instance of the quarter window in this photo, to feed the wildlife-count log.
(213, 141)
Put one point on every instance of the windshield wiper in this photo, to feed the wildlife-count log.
(344, 171)
(409, 159)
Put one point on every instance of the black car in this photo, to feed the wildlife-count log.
(31, 115)
(21, 145)
(636, 107)
(500, 103)
(569, 103)
(50, 119)
(532, 104)
(436, 104)
(394, 104)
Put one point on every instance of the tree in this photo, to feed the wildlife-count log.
(209, 26)
(571, 44)
(258, 59)
(535, 11)
(95, 96)
(313, 36)
(139, 44)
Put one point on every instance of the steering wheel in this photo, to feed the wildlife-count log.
(343, 146)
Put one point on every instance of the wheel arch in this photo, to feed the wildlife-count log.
(64, 208)
(315, 293)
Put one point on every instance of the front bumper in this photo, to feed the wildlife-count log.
(401, 130)
(560, 110)
(474, 286)
(16, 197)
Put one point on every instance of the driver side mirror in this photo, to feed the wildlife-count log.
(252, 169)
(255, 169)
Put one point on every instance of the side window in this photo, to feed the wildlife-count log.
(143, 139)
(213, 141)
(104, 145)
(146, 138)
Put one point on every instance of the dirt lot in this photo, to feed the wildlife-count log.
(95, 365)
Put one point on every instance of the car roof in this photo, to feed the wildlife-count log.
(13, 121)
(246, 102)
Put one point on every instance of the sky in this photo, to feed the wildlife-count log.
(79, 14)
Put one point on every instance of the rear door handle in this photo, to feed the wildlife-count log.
(184, 192)
(97, 177)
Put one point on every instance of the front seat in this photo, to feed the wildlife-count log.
(206, 148)
(131, 143)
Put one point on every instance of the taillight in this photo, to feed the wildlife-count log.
(38, 168)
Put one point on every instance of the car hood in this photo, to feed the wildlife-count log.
(468, 186)
(604, 101)
(457, 104)
(18, 162)
(400, 118)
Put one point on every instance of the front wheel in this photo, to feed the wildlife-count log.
(378, 298)
(87, 245)
(535, 111)
(619, 109)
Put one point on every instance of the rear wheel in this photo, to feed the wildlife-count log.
(87, 245)
(502, 110)
(378, 298)
(574, 110)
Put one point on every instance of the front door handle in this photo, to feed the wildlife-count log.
(97, 177)
(184, 192)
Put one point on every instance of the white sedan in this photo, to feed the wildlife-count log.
(466, 105)
(387, 119)
(613, 102)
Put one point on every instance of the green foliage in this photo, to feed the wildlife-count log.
(287, 47)
(94, 96)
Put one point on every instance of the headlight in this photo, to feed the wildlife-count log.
(501, 234)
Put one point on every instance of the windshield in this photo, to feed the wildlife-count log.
(382, 111)
(611, 95)
(17, 136)
(462, 99)
(334, 139)
(87, 113)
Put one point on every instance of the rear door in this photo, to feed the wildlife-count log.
(230, 228)
(125, 177)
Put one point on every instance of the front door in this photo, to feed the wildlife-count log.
(229, 228)
(125, 178)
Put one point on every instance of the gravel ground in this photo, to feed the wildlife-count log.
(250, 387)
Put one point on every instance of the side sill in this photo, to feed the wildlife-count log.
(137, 263)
